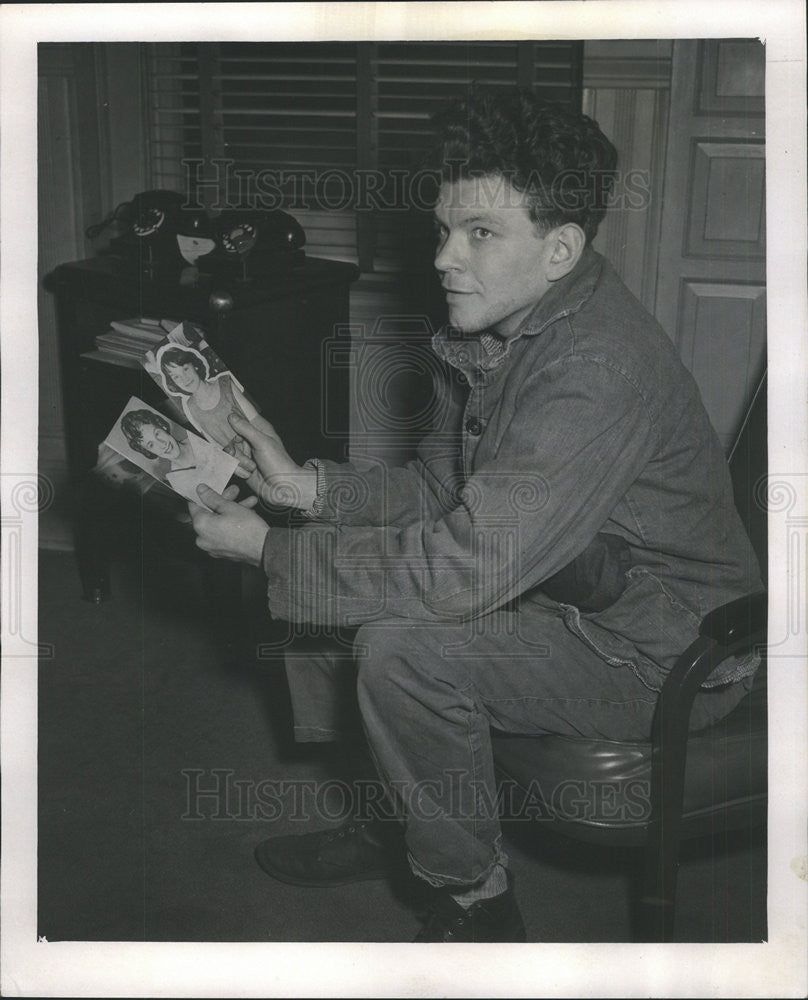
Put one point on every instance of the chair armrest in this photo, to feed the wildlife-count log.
(737, 620)
(734, 628)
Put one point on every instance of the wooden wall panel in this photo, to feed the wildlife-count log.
(732, 76)
(627, 235)
(57, 227)
(626, 90)
(70, 197)
(727, 204)
(712, 260)
(722, 340)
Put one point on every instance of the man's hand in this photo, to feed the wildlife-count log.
(279, 480)
(228, 530)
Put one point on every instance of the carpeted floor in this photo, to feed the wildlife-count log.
(158, 696)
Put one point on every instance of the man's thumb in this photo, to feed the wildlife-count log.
(243, 427)
(210, 498)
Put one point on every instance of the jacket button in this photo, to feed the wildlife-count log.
(473, 426)
(461, 378)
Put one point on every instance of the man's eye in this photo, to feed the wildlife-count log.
(479, 233)
(441, 232)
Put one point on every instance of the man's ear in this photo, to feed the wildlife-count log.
(568, 245)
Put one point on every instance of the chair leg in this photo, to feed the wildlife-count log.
(668, 759)
(661, 862)
(657, 907)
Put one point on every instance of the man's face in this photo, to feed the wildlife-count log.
(491, 257)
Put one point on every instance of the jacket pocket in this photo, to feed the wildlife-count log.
(646, 628)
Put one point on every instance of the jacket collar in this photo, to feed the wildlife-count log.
(567, 295)
(483, 352)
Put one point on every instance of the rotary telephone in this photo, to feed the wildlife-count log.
(254, 243)
(148, 225)
(161, 234)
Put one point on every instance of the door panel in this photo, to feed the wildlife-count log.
(727, 203)
(712, 262)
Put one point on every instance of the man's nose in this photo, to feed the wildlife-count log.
(448, 256)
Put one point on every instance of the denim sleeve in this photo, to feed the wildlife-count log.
(577, 438)
(379, 495)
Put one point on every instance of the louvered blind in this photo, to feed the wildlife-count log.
(174, 123)
(302, 126)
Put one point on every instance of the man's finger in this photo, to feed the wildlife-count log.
(248, 502)
(212, 499)
(241, 426)
(230, 493)
(253, 431)
(262, 424)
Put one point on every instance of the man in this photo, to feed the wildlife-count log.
(571, 437)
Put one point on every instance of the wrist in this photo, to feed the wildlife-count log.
(295, 489)
(255, 555)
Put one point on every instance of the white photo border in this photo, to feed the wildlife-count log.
(774, 968)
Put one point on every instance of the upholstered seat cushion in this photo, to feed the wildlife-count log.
(599, 790)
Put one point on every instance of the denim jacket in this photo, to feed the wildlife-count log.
(586, 421)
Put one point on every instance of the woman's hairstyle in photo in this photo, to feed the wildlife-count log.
(557, 155)
(179, 356)
(132, 424)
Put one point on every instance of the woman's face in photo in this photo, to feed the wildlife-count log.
(159, 442)
(184, 377)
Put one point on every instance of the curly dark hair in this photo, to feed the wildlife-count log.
(557, 155)
(177, 356)
(132, 424)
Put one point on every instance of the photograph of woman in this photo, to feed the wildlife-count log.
(207, 399)
(168, 452)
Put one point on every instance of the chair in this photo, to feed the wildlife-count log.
(678, 784)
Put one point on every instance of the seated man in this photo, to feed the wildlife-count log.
(568, 426)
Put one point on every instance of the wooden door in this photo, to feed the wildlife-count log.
(712, 264)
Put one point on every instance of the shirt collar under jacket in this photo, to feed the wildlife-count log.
(479, 353)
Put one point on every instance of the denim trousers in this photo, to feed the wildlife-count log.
(428, 696)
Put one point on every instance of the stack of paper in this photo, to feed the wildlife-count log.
(131, 338)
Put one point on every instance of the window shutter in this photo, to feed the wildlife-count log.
(293, 124)
(413, 82)
(174, 124)
(273, 125)
(287, 109)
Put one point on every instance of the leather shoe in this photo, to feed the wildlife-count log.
(496, 919)
(352, 852)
